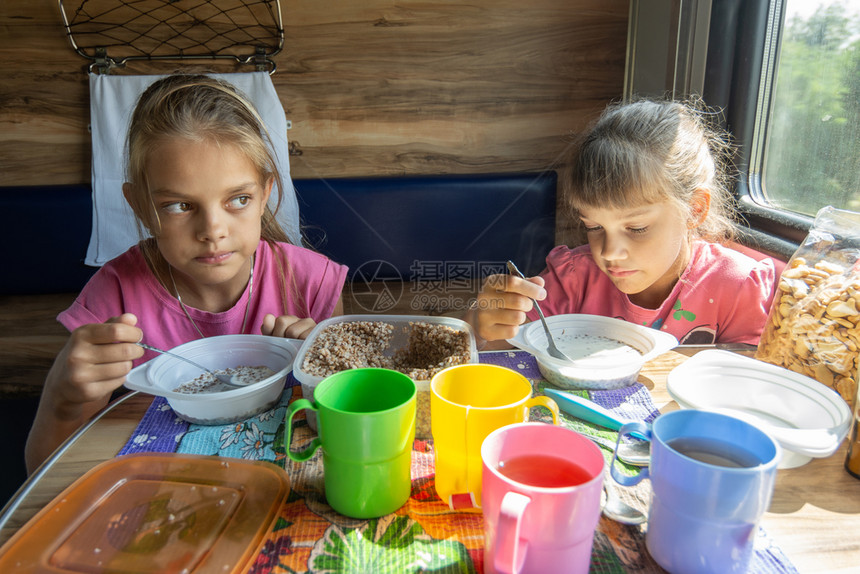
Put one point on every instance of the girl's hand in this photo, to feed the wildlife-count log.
(94, 363)
(288, 326)
(503, 303)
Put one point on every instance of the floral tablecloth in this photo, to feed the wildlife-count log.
(425, 534)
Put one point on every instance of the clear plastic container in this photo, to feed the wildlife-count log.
(807, 418)
(399, 340)
(163, 374)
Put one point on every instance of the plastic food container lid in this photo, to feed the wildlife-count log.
(150, 512)
(807, 418)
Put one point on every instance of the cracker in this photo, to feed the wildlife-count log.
(815, 329)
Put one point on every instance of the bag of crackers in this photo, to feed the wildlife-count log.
(814, 324)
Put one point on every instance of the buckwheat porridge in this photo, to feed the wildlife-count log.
(356, 344)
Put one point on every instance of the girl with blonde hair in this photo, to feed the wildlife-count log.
(200, 173)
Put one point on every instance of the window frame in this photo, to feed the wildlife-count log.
(741, 65)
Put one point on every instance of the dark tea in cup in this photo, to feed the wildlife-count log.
(712, 478)
(713, 451)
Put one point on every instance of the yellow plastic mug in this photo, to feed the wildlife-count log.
(467, 403)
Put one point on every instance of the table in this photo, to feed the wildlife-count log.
(814, 517)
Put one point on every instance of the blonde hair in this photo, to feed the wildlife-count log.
(650, 151)
(197, 108)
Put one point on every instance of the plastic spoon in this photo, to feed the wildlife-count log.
(224, 379)
(588, 411)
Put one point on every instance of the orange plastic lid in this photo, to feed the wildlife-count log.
(155, 512)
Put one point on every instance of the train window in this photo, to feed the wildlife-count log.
(787, 75)
(809, 152)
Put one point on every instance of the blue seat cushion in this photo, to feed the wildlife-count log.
(431, 227)
(408, 228)
(46, 231)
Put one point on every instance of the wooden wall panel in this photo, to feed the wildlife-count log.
(373, 87)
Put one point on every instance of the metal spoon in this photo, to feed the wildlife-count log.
(551, 348)
(633, 453)
(616, 509)
(224, 379)
(637, 453)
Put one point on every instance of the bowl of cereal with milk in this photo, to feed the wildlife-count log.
(605, 353)
(257, 362)
(418, 346)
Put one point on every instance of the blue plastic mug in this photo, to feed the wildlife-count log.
(712, 477)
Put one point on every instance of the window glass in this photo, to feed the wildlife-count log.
(812, 148)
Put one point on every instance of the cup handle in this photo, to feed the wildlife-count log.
(510, 555)
(637, 428)
(543, 401)
(305, 454)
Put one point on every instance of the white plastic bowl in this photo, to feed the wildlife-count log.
(615, 366)
(399, 340)
(808, 419)
(165, 373)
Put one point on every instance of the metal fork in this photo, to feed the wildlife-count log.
(551, 348)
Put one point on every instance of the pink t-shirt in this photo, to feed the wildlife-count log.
(127, 285)
(722, 297)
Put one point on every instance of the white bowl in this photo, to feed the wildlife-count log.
(165, 373)
(615, 364)
(399, 340)
(808, 419)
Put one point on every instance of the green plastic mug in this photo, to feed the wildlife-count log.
(366, 425)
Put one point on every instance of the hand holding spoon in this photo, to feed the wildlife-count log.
(552, 349)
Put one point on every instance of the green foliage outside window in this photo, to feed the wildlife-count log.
(813, 142)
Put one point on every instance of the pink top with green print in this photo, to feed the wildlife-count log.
(722, 297)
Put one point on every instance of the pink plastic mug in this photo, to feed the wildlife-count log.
(541, 499)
